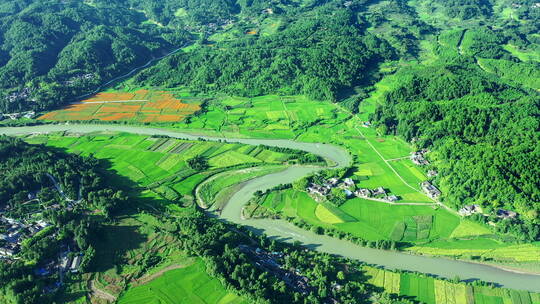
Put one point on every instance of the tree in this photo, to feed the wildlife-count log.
(198, 163)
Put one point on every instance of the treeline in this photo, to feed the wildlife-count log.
(299, 156)
(483, 134)
(328, 278)
(57, 51)
(317, 54)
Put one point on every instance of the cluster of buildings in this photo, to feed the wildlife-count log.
(211, 27)
(430, 190)
(23, 94)
(319, 192)
(13, 116)
(534, 5)
(269, 261)
(79, 78)
(13, 233)
(468, 210)
(506, 214)
(69, 263)
(419, 158)
(379, 193)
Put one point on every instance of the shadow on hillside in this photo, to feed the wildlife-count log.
(120, 234)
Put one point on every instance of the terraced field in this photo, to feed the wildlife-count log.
(159, 164)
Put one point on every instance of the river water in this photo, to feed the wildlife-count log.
(284, 231)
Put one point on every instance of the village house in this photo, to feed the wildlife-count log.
(418, 158)
(333, 181)
(391, 198)
(30, 114)
(76, 263)
(469, 210)
(348, 192)
(65, 262)
(348, 182)
(430, 190)
(363, 192)
(366, 124)
(318, 189)
(432, 173)
(506, 214)
(378, 191)
(6, 251)
(9, 249)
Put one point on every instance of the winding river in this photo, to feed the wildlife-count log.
(284, 231)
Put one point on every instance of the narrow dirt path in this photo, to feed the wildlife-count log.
(146, 279)
(96, 292)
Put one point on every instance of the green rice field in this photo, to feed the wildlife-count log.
(160, 163)
(430, 290)
(432, 230)
(185, 285)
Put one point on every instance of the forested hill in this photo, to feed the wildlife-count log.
(318, 53)
(51, 51)
(475, 105)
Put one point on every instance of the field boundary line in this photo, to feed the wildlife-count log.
(107, 101)
(398, 158)
(394, 203)
(399, 176)
(101, 293)
(151, 277)
(286, 112)
(385, 161)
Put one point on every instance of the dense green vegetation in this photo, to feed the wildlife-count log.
(26, 169)
(483, 133)
(288, 61)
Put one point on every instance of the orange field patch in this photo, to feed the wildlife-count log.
(147, 106)
(48, 116)
(251, 32)
(83, 107)
(118, 116)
